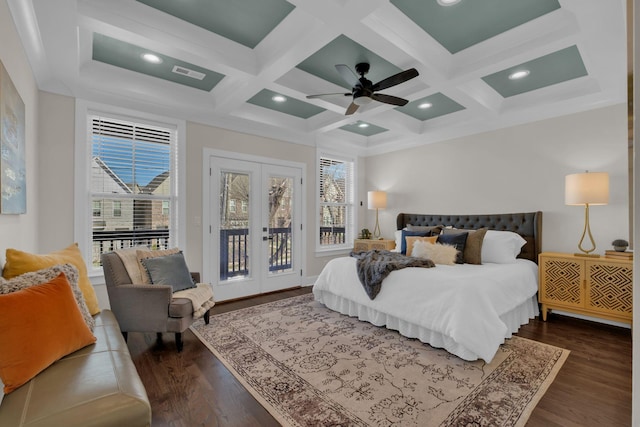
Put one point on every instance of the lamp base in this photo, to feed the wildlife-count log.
(582, 254)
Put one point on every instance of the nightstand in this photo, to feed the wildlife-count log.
(598, 287)
(370, 244)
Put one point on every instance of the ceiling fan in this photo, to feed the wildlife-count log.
(363, 91)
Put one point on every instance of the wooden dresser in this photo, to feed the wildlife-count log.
(599, 287)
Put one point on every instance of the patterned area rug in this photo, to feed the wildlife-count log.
(310, 366)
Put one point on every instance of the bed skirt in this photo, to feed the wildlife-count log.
(512, 319)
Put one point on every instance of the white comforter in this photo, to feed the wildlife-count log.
(467, 309)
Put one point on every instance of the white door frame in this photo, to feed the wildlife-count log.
(208, 271)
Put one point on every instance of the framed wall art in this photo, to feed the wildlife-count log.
(12, 141)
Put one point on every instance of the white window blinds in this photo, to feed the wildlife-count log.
(336, 202)
(132, 172)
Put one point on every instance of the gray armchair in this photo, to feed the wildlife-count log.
(146, 308)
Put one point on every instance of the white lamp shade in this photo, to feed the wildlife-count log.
(589, 187)
(377, 199)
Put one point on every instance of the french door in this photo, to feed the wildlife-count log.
(256, 227)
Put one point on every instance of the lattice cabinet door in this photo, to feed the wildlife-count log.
(610, 288)
(600, 287)
(561, 283)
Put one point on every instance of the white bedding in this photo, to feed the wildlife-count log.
(466, 309)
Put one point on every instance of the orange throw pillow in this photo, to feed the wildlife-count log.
(19, 262)
(38, 326)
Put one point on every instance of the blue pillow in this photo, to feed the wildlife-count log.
(405, 233)
(169, 270)
(458, 240)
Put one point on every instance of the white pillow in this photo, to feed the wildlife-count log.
(437, 252)
(398, 237)
(501, 247)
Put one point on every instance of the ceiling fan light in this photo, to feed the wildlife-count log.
(363, 125)
(448, 2)
(425, 105)
(362, 100)
(279, 98)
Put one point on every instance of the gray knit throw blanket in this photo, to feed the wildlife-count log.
(373, 266)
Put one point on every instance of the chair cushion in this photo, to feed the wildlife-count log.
(144, 254)
(180, 307)
(169, 270)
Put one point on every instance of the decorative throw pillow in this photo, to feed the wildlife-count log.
(501, 247)
(436, 252)
(39, 277)
(18, 262)
(458, 240)
(129, 257)
(473, 247)
(169, 270)
(38, 325)
(144, 254)
(405, 233)
(411, 240)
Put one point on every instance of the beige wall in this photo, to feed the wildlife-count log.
(56, 148)
(21, 231)
(517, 169)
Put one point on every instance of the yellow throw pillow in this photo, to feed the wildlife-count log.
(19, 262)
(411, 240)
(38, 325)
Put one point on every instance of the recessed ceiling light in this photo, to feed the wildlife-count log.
(425, 105)
(448, 2)
(279, 98)
(150, 57)
(518, 74)
(363, 125)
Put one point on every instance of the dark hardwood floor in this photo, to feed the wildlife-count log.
(193, 388)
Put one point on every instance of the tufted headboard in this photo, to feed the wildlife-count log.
(526, 224)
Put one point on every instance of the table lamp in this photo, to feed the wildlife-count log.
(377, 200)
(588, 189)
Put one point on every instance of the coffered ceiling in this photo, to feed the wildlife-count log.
(248, 65)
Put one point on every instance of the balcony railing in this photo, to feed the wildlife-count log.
(112, 240)
(234, 246)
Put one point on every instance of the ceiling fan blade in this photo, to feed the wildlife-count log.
(347, 75)
(396, 79)
(322, 95)
(353, 107)
(388, 99)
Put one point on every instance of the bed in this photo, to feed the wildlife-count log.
(469, 310)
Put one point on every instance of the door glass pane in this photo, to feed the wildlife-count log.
(280, 219)
(234, 225)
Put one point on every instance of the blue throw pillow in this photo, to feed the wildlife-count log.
(458, 240)
(169, 270)
(405, 233)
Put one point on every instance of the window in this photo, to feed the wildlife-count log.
(336, 202)
(232, 206)
(244, 206)
(132, 168)
(97, 208)
(117, 208)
